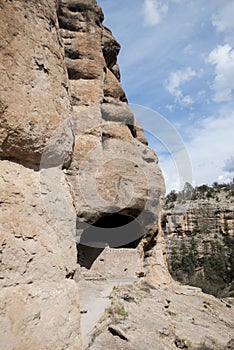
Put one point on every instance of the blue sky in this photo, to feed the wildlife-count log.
(177, 59)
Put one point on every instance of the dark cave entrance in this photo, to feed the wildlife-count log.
(114, 231)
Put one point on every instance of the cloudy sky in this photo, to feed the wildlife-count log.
(177, 59)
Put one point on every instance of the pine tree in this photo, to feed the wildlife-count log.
(175, 260)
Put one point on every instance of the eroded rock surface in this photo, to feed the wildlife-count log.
(179, 317)
(64, 118)
(112, 169)
(41, 315)
(34, 97)
(72, 154)
(39, 305)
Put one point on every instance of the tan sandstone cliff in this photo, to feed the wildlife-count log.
(71, 154)
(74, 166)
(206, 217)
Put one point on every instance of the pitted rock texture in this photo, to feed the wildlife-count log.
(34, 245)
(116, 175)
(64, 117)
(34, 97)
(39, 306)
(112, 170)
(179, 317)
(41, 315)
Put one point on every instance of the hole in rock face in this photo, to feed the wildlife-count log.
(114, 231)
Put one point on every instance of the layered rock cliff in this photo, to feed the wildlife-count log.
(209, 210)
(72, 155)
(199, 232)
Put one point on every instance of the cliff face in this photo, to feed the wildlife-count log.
(71, 154)
(199, 232)
(109, 152)
(34, 84)
(209, 212)
(202, 214)
(38, 302)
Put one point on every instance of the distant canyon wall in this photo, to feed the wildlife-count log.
(207, 217)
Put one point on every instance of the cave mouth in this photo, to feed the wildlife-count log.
(114, 231)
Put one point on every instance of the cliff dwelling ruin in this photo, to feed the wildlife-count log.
(109, 246)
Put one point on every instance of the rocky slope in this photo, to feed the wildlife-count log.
(174, 317)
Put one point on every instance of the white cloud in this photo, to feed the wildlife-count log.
(170, 174)
(174, 82)
(178, 1)
(154, 11)
(170, 108)
(223, 21)
(177, 78)
(226, 177)
(222, 57)
(229, 165)
(211, 148)
(188, 50)
(186, 100)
